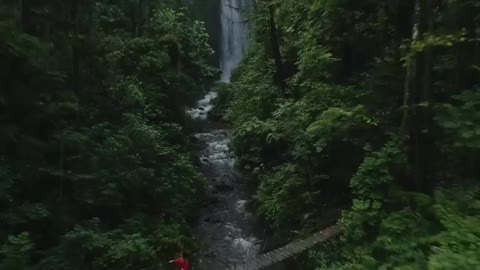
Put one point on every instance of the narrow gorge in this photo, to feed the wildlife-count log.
(227, 231)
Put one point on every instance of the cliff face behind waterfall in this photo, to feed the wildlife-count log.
(208, 11)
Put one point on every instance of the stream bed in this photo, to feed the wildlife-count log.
(227, 229)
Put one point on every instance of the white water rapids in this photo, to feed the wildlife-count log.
(226, 229)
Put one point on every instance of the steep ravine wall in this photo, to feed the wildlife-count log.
(208, 11)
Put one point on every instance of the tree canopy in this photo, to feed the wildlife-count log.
(370, 107)
(96, 170)
(363, 113)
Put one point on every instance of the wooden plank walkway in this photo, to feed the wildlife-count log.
(294, 248)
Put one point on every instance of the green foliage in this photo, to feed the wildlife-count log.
(283, 142)
(363, 125)
(17, 43)
(222, 102)
(458, 246)
(443, 235)
(279, 196)
(374, 174)
(15, 252)
(371, 186)
(95, 165)
(130, 247)
(253, 95)
(461, 119)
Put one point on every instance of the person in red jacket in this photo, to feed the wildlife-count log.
(182, 263)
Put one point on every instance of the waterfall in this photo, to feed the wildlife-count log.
(234, 42)
(227, 231)
(234, 35)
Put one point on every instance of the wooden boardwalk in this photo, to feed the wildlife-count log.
(294, 248)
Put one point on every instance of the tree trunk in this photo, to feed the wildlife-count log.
(477, 47)
(18, 12)
(25, 16)
(75, 47)
(279, 75)
(133, 18)
(422, 123)
(410, 69)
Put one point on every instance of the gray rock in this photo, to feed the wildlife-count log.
(223, 186)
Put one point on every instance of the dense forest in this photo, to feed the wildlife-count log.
(362, 113)
(371, 107)
(96, 170)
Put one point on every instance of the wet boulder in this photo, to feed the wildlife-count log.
(211, 196)
(210, 254)
(214, 220)
(211, 200)
(223, 186)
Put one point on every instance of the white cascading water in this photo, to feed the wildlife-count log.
(234, 43)
(227, 228)
(234, 35)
